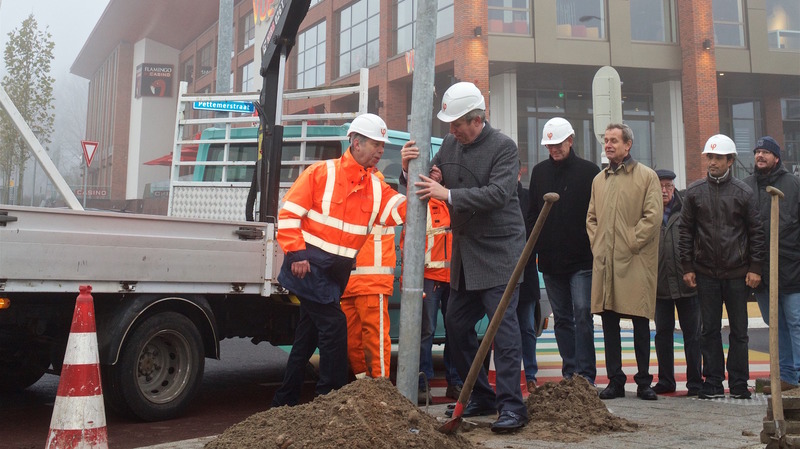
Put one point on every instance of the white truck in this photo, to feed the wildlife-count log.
(166, 289)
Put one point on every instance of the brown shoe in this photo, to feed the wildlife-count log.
(453, 391)
(531, 386)
(784, 387)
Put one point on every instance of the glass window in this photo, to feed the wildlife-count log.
(356, 49)
(652, 20)
(406, 18)
(783, 24)
(583, 19)
(206, 59)
(248, 79)
(509, 17)
(790, 153)
(728, 23)
(187, 70)
(247, 32)
(311, 57)
(742, 122)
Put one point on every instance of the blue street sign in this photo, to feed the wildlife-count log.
(245, 107)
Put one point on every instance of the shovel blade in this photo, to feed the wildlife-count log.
(450, 427)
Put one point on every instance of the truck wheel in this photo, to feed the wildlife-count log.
(23, 366)
(160, 368)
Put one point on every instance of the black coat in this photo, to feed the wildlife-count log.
(563, 246)
(789, 224)
(529, 289)
(670, 271)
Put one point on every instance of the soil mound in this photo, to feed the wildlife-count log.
(569, 411)
(365, 414)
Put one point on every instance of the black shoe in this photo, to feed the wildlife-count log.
(662, 389)
(740, 393)
(475, 409)
(508, 422)
(612, 391)
(646, 393)
(693, 392)
(711, 392)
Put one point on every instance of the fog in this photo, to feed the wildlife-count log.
(69, 22)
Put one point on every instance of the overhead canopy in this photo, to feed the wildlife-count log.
(175, 23)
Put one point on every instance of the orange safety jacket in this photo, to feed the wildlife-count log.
(330, 210)
(375, 264)
(333, 205)
(438, 241)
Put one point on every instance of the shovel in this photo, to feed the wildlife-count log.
(451, 426)
(779, 437)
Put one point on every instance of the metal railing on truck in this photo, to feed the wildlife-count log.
(225, 199)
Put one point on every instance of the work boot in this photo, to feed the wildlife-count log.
(784, 387)
(453, 391)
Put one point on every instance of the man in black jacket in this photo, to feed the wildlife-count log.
(722, 253)
(771, 172)
(565, 256)
(671, 294)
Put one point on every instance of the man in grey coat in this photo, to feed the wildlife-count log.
(478, 168)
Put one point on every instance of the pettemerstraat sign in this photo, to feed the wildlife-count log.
(245, 107)
(154, 80)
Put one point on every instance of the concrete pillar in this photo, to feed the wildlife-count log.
(669, 150)
(503, 98)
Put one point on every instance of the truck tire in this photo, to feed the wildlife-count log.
(159, 370)
(23, 366)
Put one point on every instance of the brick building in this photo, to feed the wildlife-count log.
(690, 69)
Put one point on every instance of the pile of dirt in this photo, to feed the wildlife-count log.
(570, 411)
(367, 413)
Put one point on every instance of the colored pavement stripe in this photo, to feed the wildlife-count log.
(549, 362)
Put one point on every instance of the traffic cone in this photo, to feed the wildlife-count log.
(79, 417)
(523, 383)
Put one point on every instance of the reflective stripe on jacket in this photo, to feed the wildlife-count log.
(333, 206)
(375, 264)
(439, 242)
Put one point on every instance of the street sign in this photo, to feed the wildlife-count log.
(89, 148)
(245, 107)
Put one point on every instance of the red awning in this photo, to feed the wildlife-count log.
(189, 153)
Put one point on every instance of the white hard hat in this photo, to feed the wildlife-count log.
(460, 99)
(719, 144)
(556, 130)
(369, 125)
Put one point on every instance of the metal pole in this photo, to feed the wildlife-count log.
(33, 192)
(414, 247)
(224, 45)
(85, 175)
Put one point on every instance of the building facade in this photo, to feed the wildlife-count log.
(690, 69)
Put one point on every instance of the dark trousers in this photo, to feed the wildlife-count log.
(323, 326)
(689, 316)
(733, 293)
(613, 343)
(464, 309)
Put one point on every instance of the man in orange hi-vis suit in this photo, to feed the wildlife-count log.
(327, 215)
(365, 303)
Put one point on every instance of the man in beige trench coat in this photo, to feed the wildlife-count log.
(623, 223)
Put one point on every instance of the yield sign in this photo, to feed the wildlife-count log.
(89, 148)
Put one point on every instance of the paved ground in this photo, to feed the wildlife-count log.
(674, 421)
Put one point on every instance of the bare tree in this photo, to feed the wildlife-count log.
(27, 56)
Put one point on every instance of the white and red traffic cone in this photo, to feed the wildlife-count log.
(523, 383)
(79, 417)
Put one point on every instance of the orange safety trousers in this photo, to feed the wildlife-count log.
(369, 347)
